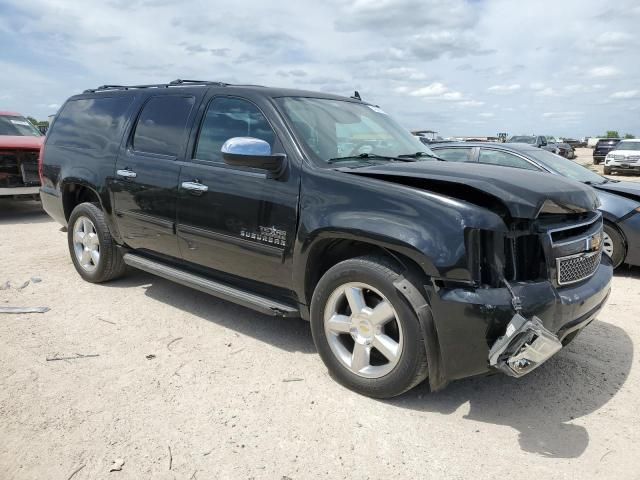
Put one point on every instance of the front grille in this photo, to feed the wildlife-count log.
(634, 157)
(575, 268)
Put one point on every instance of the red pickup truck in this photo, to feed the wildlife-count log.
(20, 144)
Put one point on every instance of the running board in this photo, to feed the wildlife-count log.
(217, 289)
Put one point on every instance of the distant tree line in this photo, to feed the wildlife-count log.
(38, 123)
(615, 134)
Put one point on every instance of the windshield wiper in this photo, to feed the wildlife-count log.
(421, 154)
(371, 155)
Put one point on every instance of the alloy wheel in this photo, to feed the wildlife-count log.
(363, 330)
(86, 244)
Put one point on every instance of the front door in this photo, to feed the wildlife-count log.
(145, 184)
(231, 220)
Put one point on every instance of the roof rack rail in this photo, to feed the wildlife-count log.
(174, 83)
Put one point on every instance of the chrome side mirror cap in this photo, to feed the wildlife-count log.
(252, 152)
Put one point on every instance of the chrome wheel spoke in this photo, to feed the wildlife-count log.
(339, 323)
(85, 257)
(355, 298)
(360, 357)
(382, 314)
(387, 346)
(78, 237)
(95, 256)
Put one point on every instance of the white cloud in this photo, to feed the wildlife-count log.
(604, 71)
(470, 103)
(547, 92)
(626, 94)
(537, 86)
(431, 90)
(486, 115)
(504, 88)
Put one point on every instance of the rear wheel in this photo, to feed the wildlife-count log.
(596, 161)
(93, 250)
(613, 245)
(367, 335)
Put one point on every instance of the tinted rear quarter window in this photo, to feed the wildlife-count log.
(161, 125)
(90, 123)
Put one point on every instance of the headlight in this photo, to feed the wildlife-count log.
(609, 157)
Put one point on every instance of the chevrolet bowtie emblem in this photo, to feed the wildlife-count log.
(594, 242)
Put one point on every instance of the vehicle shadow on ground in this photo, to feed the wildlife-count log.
(542, 405)
(20, 212)
(289, 334)
(628, 271)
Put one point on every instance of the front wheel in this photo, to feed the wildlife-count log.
(613, 245)
(607, 170)
(367, 335)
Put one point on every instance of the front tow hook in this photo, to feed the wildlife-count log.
(525, 346)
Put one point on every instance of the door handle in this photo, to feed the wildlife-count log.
(126, 173)
(195, 187)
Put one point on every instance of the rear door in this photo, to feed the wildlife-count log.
(145, 184)
(239, 222)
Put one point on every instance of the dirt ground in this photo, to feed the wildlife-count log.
(180, 385)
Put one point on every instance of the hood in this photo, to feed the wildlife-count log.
(626, 189)
(625, 154)
(511, 192)
(16, 141)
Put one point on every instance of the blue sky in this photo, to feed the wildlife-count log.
(460, 67)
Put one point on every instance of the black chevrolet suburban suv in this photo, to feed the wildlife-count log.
(298, 203)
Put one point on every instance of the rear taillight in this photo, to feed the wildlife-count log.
(40, 158)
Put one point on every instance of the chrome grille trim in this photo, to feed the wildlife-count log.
(578, 267)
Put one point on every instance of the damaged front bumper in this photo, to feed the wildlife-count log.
(525, 346)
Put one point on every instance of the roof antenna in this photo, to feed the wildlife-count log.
(356, 95)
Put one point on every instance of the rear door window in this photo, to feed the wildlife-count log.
(90, 123)
(226, 118)
(504, 159)
(161, 126)
(454, 154)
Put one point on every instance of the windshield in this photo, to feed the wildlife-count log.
(628, 146)
(338, 129)
(529, 140)
(551, 139)
(566, 168)
(17, 126)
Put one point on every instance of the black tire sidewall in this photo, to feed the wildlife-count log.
(403, 376)
(94, 213)
(619, 249)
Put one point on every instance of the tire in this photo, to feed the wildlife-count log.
(613, 240)
(87, 224)
(381, 377)
(596, 161)
(607, 170)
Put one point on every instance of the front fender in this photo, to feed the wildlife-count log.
(425, 227)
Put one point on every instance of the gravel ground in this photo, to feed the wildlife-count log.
(186, 386)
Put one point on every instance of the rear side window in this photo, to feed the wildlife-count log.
(454, 154)
(91, 123)
(161, 125)
(227, 118)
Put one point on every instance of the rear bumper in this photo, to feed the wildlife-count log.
(469, 321)
(17, 191)
(52, 204)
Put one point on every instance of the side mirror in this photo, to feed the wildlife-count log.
(252, 153)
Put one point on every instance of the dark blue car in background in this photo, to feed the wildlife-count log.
(620, 200)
